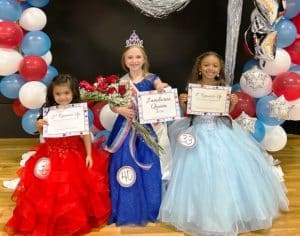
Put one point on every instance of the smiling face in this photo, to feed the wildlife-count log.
(62, 94)
(210, 67)
(134, 59)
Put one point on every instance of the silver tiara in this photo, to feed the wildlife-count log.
(134, 40)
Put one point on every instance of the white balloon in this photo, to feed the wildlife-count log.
(275, 138)
(294, 113)
(107, 117)
(281, 63)
(33, 94)
(47, 58)
(9, 61)
(256, 83)
(33, 19)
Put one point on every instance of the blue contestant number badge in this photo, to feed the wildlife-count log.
(186, 140)
(42, 168)
(126, 176)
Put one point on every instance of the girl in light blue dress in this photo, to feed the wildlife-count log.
(221, 182)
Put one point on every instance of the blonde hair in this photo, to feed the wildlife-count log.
(145, 67)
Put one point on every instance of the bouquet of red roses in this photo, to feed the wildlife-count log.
(106, 89)
(112, 90)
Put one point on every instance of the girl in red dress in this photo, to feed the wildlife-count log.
(63, 188)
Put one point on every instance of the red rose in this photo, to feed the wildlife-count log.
(102, 86)
(111, 90)
(122, 89)
(86, 85)
(111, 79)
(99, 79)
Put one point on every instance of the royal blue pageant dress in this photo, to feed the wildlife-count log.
(221, 184)
(135, 189)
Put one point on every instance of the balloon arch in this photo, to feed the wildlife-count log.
(268, 91)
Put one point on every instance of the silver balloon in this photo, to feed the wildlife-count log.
(234, 13)
(256, 82)
(260, 38)
(246, 122)
(271, 10)
(280, 108)
(159, 8)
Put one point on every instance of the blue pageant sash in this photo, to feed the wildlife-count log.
(125, 129)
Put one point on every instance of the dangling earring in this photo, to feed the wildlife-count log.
(199, 75)
(217, 76)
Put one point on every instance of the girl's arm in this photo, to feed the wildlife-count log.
(88, 148)
(127, 112)
(159, 85)
(183, 100)
(233, 101)
(39, 125)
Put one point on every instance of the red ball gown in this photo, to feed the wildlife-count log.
(57, 194)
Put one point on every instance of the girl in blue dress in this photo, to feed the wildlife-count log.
(135, 171)
(221, 182)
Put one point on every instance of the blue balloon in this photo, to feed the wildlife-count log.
(25, 5)
(100, 134)
(50, 74)
(295, 69)
(259, 132)
(10, 85)
(286, 33)
(236, 88)
(38, 3)
(263, 111)
(249, 64)
(292, 8)
(36, 43)
(91, 117)
(10, 10)
(29, 119)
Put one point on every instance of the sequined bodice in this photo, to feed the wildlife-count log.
(61, 146)
(208, 121)
(144, 85)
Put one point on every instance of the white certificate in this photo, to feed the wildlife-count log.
(156, 106)
(208, 100)
(68, 121)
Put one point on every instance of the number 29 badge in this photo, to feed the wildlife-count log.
(186, 139)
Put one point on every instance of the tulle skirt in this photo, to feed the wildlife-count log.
(223, 185)
(57, 194)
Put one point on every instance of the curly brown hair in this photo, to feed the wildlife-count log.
(195, 77)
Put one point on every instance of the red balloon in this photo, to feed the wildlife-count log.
(287, 84)
(245, 103)
(247, 50)
(90, 104)
(18, 108)
(33, 68)
(11, 34)
(96, 109)
(294, 51)
(296, 21)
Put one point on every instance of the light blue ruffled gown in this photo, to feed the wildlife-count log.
(223, 185)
